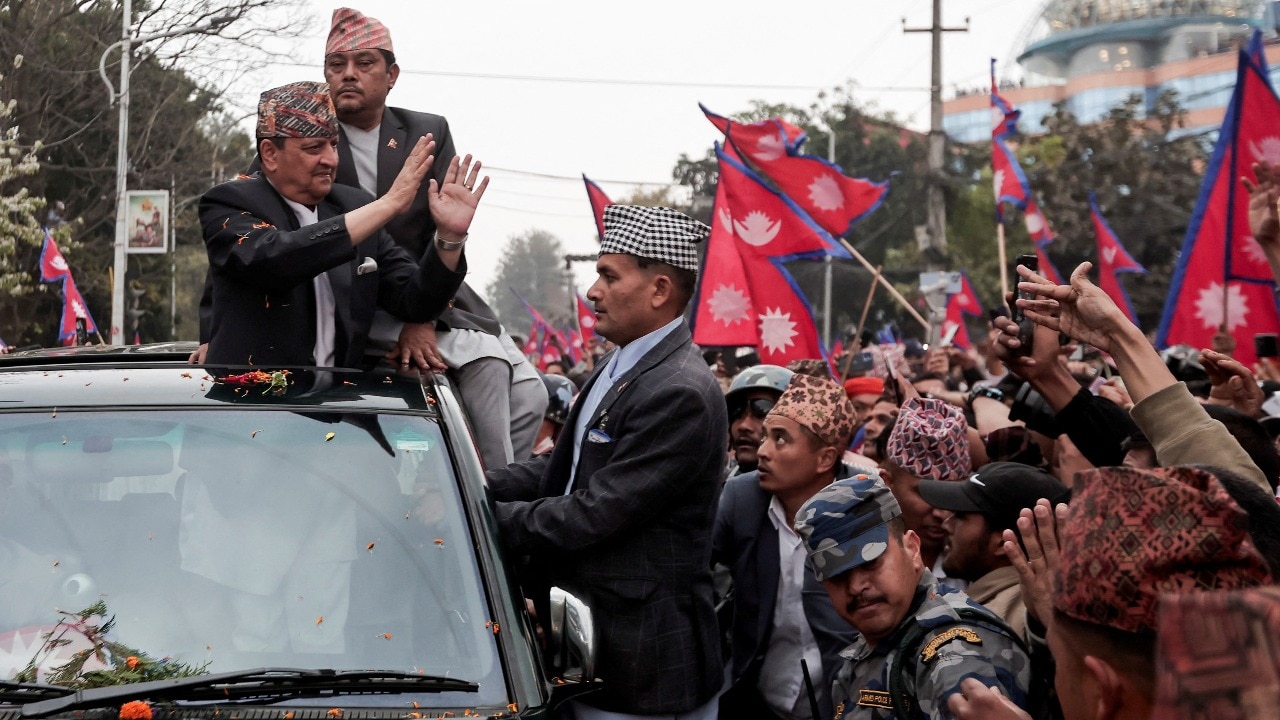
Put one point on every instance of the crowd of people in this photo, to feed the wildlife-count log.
(1059, 523)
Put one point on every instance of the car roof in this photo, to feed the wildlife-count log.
(158, 375)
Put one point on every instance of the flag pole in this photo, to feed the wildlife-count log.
(1004, 261)
(871, 293)
(887, 285)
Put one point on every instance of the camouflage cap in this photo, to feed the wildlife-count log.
(820, 406)
(846, 524)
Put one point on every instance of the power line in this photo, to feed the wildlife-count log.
(620, 81)
(578, 178)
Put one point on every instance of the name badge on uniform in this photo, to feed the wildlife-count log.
(875, 698)
(596, 435)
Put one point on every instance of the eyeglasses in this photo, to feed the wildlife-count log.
(758, 408)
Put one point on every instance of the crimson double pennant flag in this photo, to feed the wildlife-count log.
(1112, 259)
(1010, 182)
(54, 268)
(557, 347)
(745, 294)
(599, 201)
(959, 304)
(817, 187)
(586, 320)
(1041, 238)
(1222, 278)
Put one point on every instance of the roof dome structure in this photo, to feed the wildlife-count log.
(1088, 36)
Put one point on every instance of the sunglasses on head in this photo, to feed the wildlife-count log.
(758, 408)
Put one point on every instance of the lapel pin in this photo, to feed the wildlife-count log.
(392, 143)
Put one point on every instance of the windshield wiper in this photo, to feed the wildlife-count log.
(267, 685)
(16, 692)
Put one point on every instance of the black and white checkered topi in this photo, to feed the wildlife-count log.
(657, 233)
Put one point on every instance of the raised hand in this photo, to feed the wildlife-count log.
(1039, 530)
(1264, 222)
(453, 204)
(1080, 309)
(405, 187)
(1233, 385)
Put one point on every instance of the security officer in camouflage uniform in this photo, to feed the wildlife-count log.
(917, 639)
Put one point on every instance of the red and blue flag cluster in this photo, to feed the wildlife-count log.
(746, 296)
(54, 268)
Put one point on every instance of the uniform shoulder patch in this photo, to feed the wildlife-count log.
(930, 649)
(875, 699)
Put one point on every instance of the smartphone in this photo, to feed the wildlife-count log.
(1026, 328)
(891, 380)
(862, 362)
(1266, 345)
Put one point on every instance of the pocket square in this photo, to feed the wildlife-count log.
(369, 265)
(598, 436)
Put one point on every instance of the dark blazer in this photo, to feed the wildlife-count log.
(634, 536)
(415, 229)
(261, 267)
(745, 541)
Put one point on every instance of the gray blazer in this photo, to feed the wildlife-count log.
(634, 537)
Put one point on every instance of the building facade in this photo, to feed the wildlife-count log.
(1094, 54)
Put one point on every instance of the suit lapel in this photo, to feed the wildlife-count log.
(340, 281)
(346, 163)
(393, 148)
(660, 352)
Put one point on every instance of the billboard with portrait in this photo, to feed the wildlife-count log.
(147, 221)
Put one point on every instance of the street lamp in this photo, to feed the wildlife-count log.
(122, 151)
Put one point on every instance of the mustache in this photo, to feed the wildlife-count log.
(745, 437)
(863, 599)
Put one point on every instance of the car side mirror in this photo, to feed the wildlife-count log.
(573, 636)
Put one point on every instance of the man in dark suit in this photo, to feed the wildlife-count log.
(620, 512)
(498, 387)
(297, 264)
(782, 614)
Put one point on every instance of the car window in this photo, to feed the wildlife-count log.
(245, 538)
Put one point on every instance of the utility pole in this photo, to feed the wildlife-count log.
(936, 250)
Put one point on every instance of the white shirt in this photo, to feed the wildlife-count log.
(326, 305)
(781, 683)
(620, 362)
(364, 153)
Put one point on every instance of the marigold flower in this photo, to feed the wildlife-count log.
(135, 710)
(334, 712)
(131, 662)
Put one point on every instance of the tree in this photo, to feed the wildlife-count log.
(181, 134)
(533, 265)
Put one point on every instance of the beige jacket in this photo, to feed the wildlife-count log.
(999, 591)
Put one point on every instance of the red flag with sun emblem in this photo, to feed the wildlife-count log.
(599, 201)
(586, 320)
(959, 304)
(1112, 259)
(1222, 276)
(745, 294)
(1009, 181)
(53, 267)
(819, 188)
(73, 308)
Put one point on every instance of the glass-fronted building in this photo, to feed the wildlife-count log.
(1095, 54)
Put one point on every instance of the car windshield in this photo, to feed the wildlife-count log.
(245, 538)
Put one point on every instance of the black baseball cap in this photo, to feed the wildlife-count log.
(999, 491)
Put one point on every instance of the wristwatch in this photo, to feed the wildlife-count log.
(448, 245)
(986, 392)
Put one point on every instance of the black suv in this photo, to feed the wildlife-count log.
(315, 544)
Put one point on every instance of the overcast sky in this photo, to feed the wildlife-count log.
(542, 92)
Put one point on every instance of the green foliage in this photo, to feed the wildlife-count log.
(533, 265)
(181, 138)
(123, 664)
